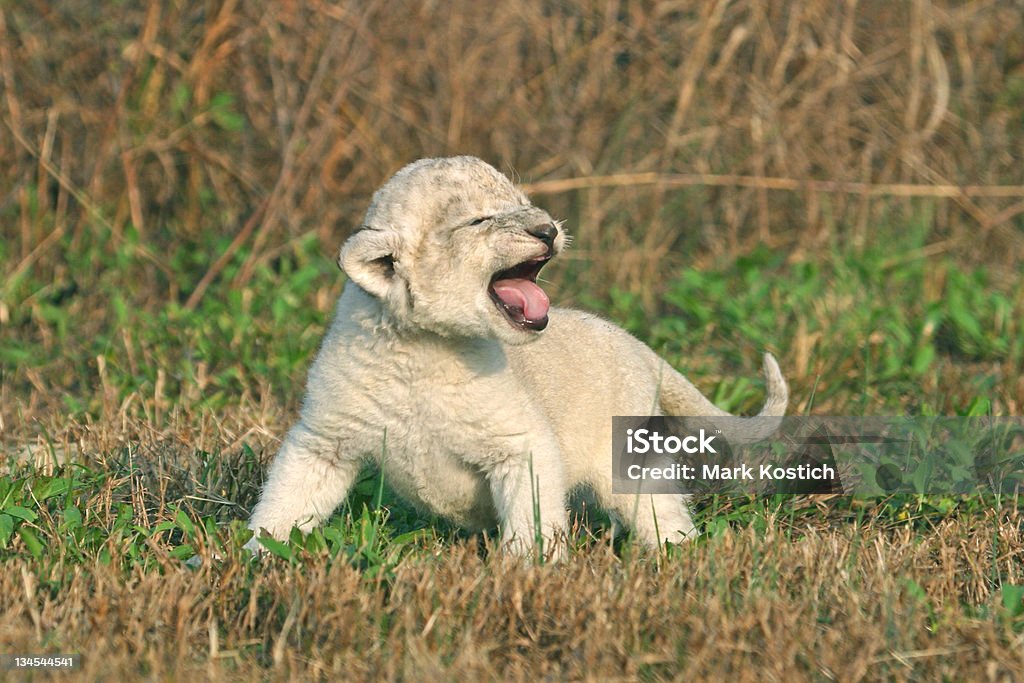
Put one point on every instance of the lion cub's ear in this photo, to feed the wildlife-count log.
(369, 258)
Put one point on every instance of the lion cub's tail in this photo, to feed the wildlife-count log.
(777, 391)
(679, 397)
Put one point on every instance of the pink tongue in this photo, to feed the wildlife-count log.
(524, 295)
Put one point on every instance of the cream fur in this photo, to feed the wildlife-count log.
(423, 374)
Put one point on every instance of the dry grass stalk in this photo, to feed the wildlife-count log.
(315, 105)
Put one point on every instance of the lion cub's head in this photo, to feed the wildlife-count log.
(452, 246)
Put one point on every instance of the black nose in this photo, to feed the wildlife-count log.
(545, 232)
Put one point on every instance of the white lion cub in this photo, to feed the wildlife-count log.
(446, 365)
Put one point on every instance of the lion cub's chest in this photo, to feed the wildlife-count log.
(443, 418)
(467, 418)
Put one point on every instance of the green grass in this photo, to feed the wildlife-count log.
(885, 324)
(880, 329)
(870, 329)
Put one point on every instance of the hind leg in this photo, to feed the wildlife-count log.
(655, 518)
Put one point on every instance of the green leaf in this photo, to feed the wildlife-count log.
(923, 359)
(1013, 599)
(333, 535)
(21, 513)
(163, 526)
(31, 540)
(50, 487)
(6, 529)
(276, 547)
(16, 356)
(410, 536)
(72, 517)
(5, 490)
(125, 513)
(915, 590)
(181, 552)
(315, 541)
(185, 524)
(979, 406)
(222, 109)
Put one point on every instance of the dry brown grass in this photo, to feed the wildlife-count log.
(123, 111)
(859, 602)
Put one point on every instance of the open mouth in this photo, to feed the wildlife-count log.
(516, 294)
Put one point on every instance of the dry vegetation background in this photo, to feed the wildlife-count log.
(792, 122)
(189, 149)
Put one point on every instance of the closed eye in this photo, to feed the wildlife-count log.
(482, 219)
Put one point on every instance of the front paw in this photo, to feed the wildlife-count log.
(526, 549)
(257, 549)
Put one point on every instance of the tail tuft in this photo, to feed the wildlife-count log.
(776, 390)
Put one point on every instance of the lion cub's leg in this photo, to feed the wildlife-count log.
(655, 518)
(531, 507)
(308, 479)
